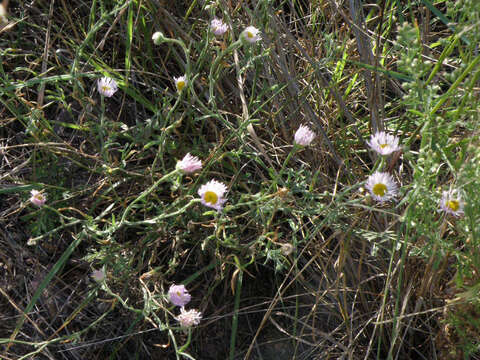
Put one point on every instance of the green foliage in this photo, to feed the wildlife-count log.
(298, 238)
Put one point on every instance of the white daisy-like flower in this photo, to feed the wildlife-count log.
(218, 27)
(211, 194)
(382, 186)
(178, 295)
(107, 86)
(452, 203)
(189, 164)
(251, 35)
(384, 143)
(304, 136)
(180, 82)
(189, 318)
(37, 198)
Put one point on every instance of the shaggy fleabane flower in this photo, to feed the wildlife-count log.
(218, 27)
(382, 186)
(452, 203)
(189, 164)
(180, 82)
(158, 37)
(37, 198)
(98, 275)
(211, 194)
(107, 86)
(383, 143)
(251, 34)
(304, 136)
(178, 295)
(189, 318)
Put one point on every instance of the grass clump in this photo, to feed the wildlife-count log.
(220, 180)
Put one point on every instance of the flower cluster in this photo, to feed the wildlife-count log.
(250, 35)
(383, 188)
(179, 296)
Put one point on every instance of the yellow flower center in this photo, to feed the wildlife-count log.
(379, 189)
(383, 146)
(105, 88)
(250, 34)
(211, 197)
(453, 204)
(39, 197)
(180, 85)
(179, 293)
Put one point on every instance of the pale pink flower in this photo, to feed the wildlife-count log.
(218, 27)
(382, 186)
(37, 198)
(304, 136)
(180, 82)
(189, 318)
(251, 34)
(452, 203)
(211, 194)
(189, 164)
(384, 143)
(107, 86)
(178, 295)
(98, 275)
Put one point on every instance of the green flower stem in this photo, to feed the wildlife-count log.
(278, 178)
(213, 68)
(146, 193)
(163, 216)
(379, 163)
(102, 133)
(179, 98)
(189, 339)
(120, 300)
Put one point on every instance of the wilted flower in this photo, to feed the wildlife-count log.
(382, 186)
(189, 318)
(384, 143)
(178, 295)
(452, 203)
(37, 198)
(158, 37)
(180, 82)
(107, 86)
(218, 27)
(251, 35)
(189, 164)
(287, 249)
(98, 275)
(304, 136)
(212, 194)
